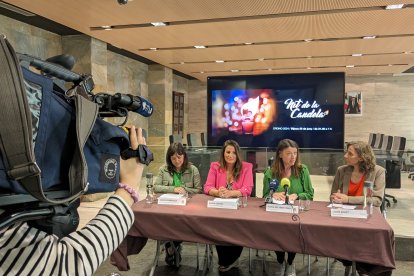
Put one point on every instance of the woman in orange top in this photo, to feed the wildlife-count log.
(349, 183)
(349, 179)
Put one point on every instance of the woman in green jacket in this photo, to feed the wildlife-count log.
(287, 165)
(181, 177)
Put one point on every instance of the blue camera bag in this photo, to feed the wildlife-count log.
(62, 128)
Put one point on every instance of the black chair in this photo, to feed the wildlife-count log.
(387, 143)
(378, 141)
(194, 140)
(393, 166)
(371, 139)
(175, 138)
(411, 173)
(203, 139)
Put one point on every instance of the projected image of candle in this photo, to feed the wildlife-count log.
(248, 111)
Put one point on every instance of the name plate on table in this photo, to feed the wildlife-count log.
(223, 203)
(279, 208)
(349, 213)
(172, 199)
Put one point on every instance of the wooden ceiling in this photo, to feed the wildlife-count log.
(250, 36)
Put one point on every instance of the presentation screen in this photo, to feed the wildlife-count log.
(259, 111)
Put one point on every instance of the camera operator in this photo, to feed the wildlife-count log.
(25, 250)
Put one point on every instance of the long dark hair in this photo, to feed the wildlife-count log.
(278, 167)
(176, 148)
(365, 152)
(238, 165)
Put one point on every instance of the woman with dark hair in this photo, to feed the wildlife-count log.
(181, 177)
(349, 181)
(287, 164)
(229, 178)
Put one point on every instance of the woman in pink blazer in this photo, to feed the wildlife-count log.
(230, 177)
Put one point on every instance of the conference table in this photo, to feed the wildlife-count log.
(312, 232)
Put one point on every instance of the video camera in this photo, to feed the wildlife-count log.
(59, 140)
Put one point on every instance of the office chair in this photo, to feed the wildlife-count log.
(371, 139)
(378, 141)
(203, 139)
(411, 173)
(393, 167)
(194, 140)
(175, 138)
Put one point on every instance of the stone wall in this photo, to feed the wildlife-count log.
(387, 107)
(30, 40)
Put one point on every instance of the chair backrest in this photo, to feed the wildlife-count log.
(378, 141)
(175, 138)
(203, 139)
(194, 140)
(371, 139)
(398, 145)
(387, 143)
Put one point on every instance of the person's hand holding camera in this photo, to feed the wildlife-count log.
(131, 169)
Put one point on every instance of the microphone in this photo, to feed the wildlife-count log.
(119, 104)
(134, 103)
(285, 182)
(273, 185)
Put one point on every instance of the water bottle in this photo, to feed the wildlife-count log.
(150, 189)
(368, 191)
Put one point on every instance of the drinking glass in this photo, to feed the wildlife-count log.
(244, 201)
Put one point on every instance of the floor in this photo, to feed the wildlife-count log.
(399, 215)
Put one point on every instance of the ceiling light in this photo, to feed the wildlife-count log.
(106, 27)
(394, 7)
(158, 24)
(350, 66)
(219, 61)
(369, 37)
(261, 59)
(389, 64)
(248, 43)
(308, 67)
(200, 47)
(153, 49)
(308, 39)
(234, 70)
(407, 52)
(309, 57)
(201, 72)
(357, 55)
(182, 62)
(270, 69)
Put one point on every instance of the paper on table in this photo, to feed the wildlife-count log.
(170, 196)
(219, 199)
(281, 202)
(344, 206)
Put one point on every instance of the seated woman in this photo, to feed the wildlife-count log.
(229, 178)
(349, 180)
(177, 176)
(287, 165)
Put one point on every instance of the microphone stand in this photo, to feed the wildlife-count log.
(286, 195)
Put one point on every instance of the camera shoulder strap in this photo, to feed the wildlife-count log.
(16, 132)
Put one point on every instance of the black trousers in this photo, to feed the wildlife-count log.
(370, 269)
(228, 254)
(176, 244)
(280, 255)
